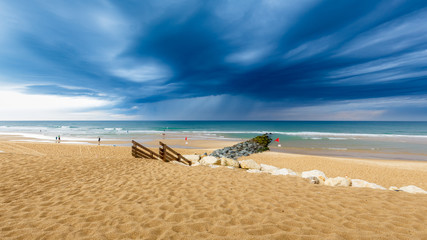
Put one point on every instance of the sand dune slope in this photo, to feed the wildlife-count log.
(120, 197)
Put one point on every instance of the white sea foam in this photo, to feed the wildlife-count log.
(339, 149)
(368, 135)
(330, 135)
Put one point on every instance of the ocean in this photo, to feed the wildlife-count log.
(380, 140)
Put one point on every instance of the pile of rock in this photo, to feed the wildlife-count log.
(313, 176)
(254, 145)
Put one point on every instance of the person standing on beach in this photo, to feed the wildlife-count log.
(59, 138)
(56, 139)
(99, 141)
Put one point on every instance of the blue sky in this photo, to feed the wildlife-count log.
(213, 60)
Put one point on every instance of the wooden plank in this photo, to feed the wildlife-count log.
(170, 156)
(183, 159)
(139, 152)
(169, 148)
(145, 148)
(148, 153)
(178, 156)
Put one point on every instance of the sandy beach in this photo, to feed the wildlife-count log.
(70, 191)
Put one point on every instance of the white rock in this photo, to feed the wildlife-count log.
(412, 189)
(230, 162)
(193, 158)
(313, 173)
(214, 166)
(365, 184)
(249, 164)
(230, 167)
(284, 171)
(314, 180)
(253, 171)
(338, 181)
(195, 164)
(209, 160)
(268, 168)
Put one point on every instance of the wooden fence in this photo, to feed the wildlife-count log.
(140, 151)
(166, 153)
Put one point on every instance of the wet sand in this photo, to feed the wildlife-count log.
(61, 191)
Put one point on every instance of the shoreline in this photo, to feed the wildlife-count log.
(177, 141)
(380, 171)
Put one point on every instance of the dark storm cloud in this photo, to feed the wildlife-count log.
(301, 56)
(276, 53)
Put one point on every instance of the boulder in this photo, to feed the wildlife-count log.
(268, 168)
(314, 180)
(365, 184)
(284, 171)
(249, 164)
(230, 162)
(313, 173)
(338, 181)
(192, 158)
(413, 189)
(209, 160)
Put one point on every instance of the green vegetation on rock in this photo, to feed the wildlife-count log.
(263, 141)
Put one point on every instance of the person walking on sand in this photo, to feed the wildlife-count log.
(59, 138)
(99, 141)
(56, 139)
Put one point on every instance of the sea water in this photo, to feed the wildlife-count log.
(388, 140)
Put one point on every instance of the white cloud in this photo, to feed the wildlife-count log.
(144, 73)
(19, 106)
(247, 57)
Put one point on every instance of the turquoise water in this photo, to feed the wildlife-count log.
(377, 139)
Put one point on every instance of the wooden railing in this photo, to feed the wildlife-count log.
(166, 153)
(140, 151)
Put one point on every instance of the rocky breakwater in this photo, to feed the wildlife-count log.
(254, 145)
(226, 157)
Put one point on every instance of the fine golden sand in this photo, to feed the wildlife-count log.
(59, 191)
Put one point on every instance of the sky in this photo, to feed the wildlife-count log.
(213, 60)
